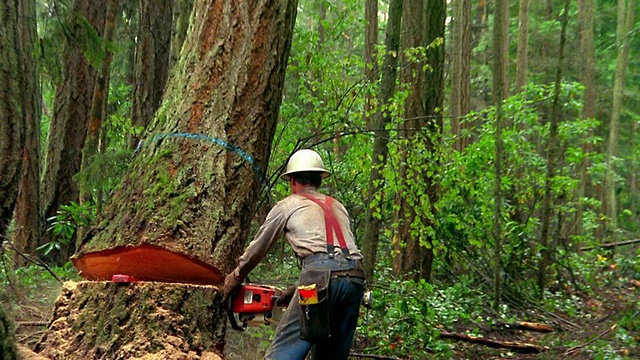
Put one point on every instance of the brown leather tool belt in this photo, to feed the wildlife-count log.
(358, 273)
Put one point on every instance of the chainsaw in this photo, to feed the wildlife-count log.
(253, 304)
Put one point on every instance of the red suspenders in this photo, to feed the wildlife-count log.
(331, 225)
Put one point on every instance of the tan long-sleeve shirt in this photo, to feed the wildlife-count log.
(302, 222)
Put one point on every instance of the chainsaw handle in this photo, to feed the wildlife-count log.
(232, 317)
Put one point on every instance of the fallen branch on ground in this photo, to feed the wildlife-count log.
(610, 245)
(32, 323)
(513, 345)
(531, 326)
(575, 349)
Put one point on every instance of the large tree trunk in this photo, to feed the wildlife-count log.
(185, 206)
(68, 127)
(423, 24)
(107, 320)
(153, 50)
(12, 117)
(373, 218)
(98, 111)
(27, 221)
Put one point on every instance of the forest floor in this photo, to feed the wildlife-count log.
(589, 331)
(592, 333)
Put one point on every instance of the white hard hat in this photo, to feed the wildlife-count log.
(305, 160)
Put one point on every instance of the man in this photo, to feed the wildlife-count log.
(324, 311)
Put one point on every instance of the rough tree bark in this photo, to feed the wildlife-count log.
(98, 110)
(68, 127)
(460, 77)
(28, 95)
(12, 118)
(190, 192)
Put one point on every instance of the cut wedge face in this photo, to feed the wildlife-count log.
(146, 263)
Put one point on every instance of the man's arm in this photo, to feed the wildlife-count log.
(270, 231)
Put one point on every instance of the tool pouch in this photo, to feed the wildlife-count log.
(313, 293)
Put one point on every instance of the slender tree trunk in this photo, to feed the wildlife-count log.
(500, 88)
(68, 127)
(27, 221)
(461, 83)
(371, 62)
(626, 10)
(181, 12)
(433, 101)
(547, 249)
(587, 51)
(373, 215)
(523, 45)
(189, 194)
(153, 52)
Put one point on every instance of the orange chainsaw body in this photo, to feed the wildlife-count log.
(253, 299)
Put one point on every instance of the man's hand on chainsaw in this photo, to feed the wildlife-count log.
(231, 285)
(287, 294)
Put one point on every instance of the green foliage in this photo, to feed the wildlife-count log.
(407, 318)
(64, 224)
(466, 201)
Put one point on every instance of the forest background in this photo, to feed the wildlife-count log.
(488, 152)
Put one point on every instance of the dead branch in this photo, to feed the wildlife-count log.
(610, 245)
(575, 349)
(530, 326)
(513, 345)
(33, 260)
(32, 323)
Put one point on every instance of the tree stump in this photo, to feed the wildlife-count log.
(138, 320)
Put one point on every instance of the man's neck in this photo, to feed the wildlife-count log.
(297, 187)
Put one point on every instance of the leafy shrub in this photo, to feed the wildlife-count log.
(64, 224)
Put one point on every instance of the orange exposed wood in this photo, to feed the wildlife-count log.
(147, 263)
